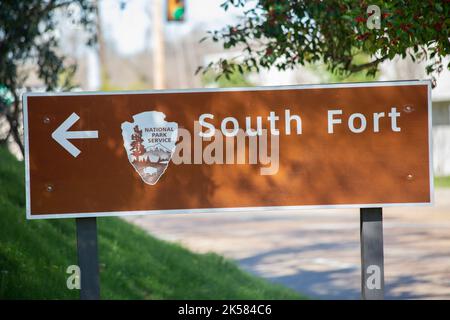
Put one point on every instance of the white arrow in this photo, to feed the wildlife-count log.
(61, 135)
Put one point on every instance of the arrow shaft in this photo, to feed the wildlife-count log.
(81, 135)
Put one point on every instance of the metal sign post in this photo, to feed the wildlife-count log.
(88, 258)
(372, 257)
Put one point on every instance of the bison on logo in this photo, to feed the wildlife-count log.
(149, 142)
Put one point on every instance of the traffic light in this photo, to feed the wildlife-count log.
(175, 10)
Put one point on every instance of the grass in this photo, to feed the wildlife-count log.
(34, 256)
(442, 182)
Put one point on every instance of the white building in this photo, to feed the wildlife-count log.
(441, 125)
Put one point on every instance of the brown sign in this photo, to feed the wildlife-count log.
(350, 145)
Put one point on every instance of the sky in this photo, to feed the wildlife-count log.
(129, 28)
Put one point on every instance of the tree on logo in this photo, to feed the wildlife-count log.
(137, 148)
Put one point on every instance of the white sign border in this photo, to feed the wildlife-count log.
(236, 209)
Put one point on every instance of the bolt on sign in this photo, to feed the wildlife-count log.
(290, 147)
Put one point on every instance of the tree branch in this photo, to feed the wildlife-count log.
(356, 68)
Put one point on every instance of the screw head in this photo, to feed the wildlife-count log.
(410, 176)
(49, 188)
(408, 108)
(46, 120)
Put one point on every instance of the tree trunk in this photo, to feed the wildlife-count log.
(13, 120)
(15, 133)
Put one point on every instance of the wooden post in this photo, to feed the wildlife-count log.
(372, 256)
(88, 258)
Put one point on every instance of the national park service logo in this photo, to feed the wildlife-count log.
(149, 142)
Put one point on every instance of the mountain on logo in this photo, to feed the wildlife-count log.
(149, 160)
(157, 154)
(159, 147)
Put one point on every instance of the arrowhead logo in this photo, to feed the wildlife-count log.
(62, 135)
(149, 142)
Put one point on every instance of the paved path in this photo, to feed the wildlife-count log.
(317, 252)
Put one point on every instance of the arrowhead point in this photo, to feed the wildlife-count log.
(60, 135)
